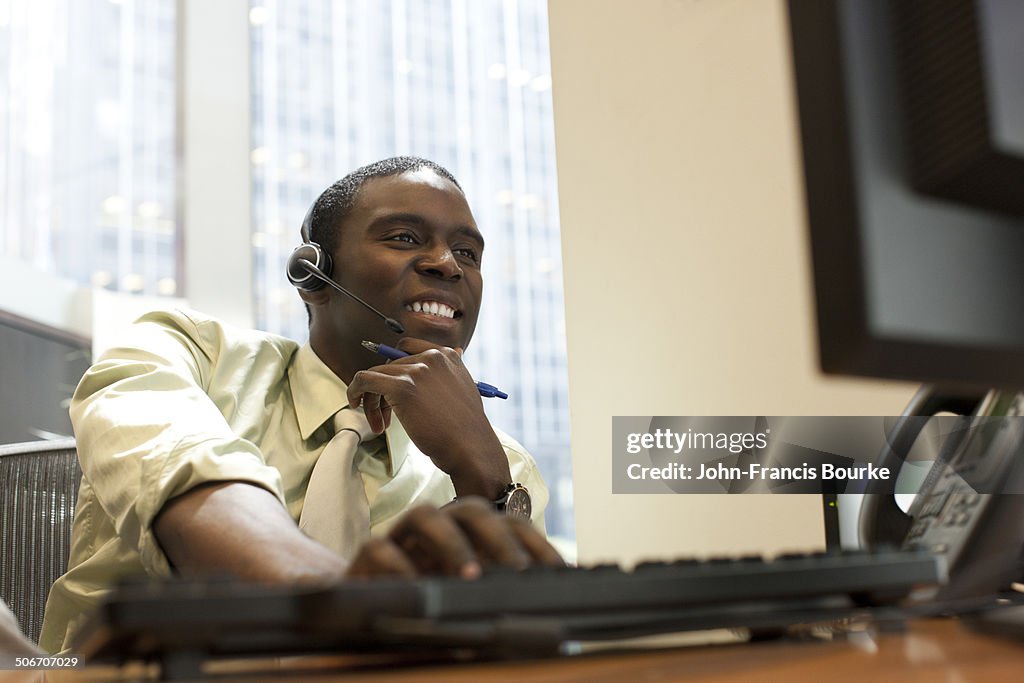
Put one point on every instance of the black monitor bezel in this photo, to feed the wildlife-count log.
(847, 343)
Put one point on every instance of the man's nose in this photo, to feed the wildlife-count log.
(440, 262)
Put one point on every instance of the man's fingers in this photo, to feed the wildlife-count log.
(380, 557)
(540, 550)
(432, 540)
(490, 533)
(455, 541)
(372, 408)
(388, 381)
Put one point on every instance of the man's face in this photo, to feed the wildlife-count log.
(410, 248)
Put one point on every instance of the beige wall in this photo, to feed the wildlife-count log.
(687, 275)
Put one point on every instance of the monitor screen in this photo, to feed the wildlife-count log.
(912, 131)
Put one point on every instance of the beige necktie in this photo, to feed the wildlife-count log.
(336, 512)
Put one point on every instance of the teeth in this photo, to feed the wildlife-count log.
(433, 308)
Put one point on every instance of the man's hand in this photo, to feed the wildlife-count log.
(242, 530)
(456, 540)
(437, 401)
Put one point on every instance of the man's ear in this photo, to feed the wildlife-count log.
(316, 298)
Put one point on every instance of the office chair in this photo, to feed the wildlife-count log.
(38, 489)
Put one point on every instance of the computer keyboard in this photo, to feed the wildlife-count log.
(531, 612)
(605, 601)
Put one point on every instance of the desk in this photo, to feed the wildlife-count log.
(927, 651)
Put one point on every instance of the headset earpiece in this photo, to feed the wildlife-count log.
(310, 251)
(299, 276)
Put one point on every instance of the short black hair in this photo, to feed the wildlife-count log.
(334, 205)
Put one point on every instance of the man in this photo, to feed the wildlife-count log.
(197, 441)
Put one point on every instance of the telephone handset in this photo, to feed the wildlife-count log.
(969, 509)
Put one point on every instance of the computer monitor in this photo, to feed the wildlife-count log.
(912, 125)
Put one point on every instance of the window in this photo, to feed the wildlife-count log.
(87, 179)
(466, 84)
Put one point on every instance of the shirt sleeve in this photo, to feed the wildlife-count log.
(147, 430)
(524, 471)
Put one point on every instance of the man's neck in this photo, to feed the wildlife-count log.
(335, 355)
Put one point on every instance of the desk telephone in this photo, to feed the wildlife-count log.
(970, 508)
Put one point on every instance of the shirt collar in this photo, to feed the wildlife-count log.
(318, 394)
(398, 445)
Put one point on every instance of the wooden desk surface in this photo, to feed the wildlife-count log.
(926, 651)
(935, 650)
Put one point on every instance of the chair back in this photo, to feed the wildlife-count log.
(38, 489)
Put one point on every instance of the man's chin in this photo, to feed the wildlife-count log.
(435, 329)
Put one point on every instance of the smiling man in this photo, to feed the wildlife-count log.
(200, 443)
(411, 248)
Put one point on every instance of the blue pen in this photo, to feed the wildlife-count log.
(486, 390)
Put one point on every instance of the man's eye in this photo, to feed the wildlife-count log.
(468, 253)
(403, 237)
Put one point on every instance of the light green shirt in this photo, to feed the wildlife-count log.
(188, 400)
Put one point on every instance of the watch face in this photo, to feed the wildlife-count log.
(518, 504)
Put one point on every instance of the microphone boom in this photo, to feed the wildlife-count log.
(392, 324)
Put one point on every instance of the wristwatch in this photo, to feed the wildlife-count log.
(515, 502)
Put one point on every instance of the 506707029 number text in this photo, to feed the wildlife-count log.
(46, 662)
